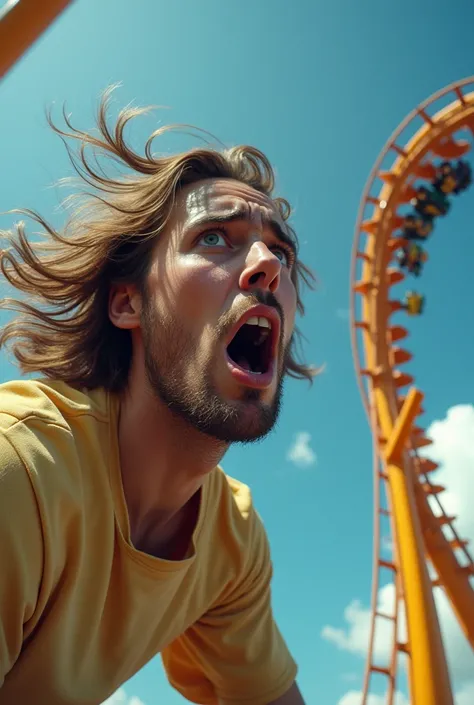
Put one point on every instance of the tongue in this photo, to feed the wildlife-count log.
(244, 363)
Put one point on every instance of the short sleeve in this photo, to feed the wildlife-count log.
(21, 554)
(235, 653)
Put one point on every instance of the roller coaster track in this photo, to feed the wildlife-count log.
(403, 491)
(21, 23)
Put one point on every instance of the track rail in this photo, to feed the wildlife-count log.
(378, 359)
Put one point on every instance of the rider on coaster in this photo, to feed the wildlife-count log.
(412, 256)
(430, 203)
(452, 178)
(416, 228)
(414, 303)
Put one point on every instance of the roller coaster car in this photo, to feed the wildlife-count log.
(430, 203)
(412, 257)
(414, 303)
(463, 176)
(417, 228)
(452, 178)
(445, 180)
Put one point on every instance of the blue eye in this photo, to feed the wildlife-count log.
(211, 239)
(285, 256)
(282, 256)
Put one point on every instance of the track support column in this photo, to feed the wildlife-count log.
(429, 677)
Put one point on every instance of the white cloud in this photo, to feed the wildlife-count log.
(354, 697)
(453, 448)
(465, 696)
(120, 697)
(354, 637)
(301, 452)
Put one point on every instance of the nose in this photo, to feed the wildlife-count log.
(262, 269)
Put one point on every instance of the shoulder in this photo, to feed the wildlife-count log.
(239, 535)
(47, 401)
(234, 499)
(234, 492)
(58, 438)
(55, 446)
(51, 424)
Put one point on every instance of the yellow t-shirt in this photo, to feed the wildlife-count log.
(82, 610)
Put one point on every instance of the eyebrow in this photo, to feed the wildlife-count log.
(240, 214)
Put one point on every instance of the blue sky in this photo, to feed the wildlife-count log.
(319, 87)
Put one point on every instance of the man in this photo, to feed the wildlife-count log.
(161, 324)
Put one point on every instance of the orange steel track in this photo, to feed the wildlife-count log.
(421, 529)
(22, 23)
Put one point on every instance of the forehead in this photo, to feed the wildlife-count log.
(223, 196)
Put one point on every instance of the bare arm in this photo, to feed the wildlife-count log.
(291, 697)
(21, 555)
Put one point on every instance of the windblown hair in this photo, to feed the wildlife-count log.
(62, 328)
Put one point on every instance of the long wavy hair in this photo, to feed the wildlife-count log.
(62, 328)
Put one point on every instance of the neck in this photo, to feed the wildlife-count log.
(164, 463)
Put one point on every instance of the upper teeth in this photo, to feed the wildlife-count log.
(258, 321)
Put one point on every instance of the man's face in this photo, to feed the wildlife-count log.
(220, 262)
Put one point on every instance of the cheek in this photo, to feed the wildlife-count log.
(288, 302)
(196, 290)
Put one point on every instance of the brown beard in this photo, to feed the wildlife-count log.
(194, 398)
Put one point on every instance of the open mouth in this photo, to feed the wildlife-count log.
(251, 346)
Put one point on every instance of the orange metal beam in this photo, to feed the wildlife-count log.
(429, 676)
(453, 577)
(417, 528)
(403, 426)
(21, 24)
(377, 312)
